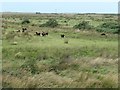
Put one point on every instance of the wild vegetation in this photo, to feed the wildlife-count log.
(51, 23)
(83, 58)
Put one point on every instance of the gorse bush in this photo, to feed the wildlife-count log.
(50, 23)
(83, 25)
(25, 21)
(110, 27)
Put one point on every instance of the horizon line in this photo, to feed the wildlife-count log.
(61, 12)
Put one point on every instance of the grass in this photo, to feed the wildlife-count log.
(80, 60)
(66, 78)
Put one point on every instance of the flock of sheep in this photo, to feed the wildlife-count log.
(42, 33)
(38, 33)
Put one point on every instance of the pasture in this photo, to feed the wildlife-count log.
(81, 59)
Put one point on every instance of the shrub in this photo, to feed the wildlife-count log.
(50, 23)
(83, 25)
(25, 21)
(110, 27)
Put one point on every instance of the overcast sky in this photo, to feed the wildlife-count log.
(60, 7)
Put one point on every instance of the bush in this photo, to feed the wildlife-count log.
(110, 27)
(83, 25)
(50, 23)
(25, 21)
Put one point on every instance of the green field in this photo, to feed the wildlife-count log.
(87, 60)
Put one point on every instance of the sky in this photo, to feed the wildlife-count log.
(60, 7)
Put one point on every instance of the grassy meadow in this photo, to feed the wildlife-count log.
(83, 59)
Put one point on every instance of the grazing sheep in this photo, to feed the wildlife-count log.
(24, 29)
(103, 34)
(38, 33)
(62, 35)
(18, 31)
(44, 33)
